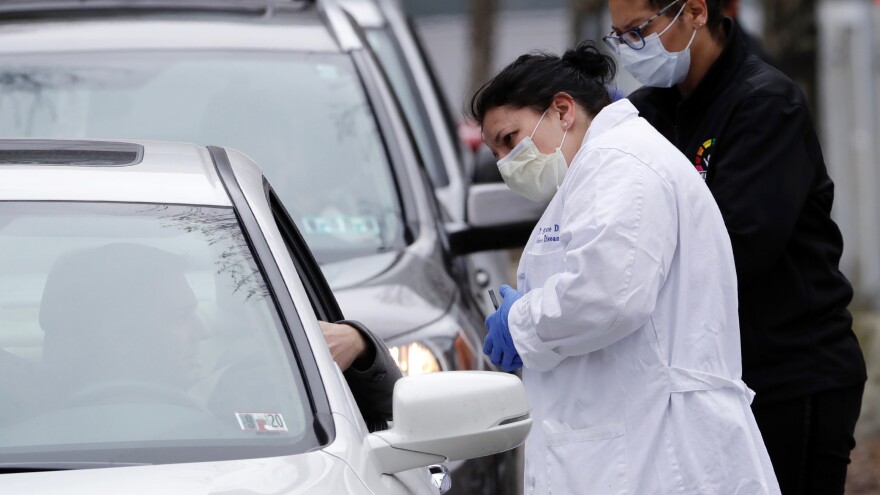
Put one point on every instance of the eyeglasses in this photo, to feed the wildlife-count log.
(633, 38)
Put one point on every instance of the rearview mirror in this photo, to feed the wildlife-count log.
(449, 416)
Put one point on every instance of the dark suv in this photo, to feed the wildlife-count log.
(292, 85)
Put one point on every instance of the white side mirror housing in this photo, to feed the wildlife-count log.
(497, 218)
(452, 415)
(492, 205)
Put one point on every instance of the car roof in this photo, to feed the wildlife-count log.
(81, 25)
(153, 172)
(208, 31)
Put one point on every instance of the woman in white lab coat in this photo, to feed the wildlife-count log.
(625, 314)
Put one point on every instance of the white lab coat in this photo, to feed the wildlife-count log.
(628, 329)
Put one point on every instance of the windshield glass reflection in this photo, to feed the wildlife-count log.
(303, 118)
(142, 329)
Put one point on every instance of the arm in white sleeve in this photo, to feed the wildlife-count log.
(618, 233)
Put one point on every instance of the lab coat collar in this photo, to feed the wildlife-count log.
(610, 117)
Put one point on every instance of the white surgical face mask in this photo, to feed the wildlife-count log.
(532, 174)
(653, 65)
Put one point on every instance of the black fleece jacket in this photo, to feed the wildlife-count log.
(371, 380)
(747, 129)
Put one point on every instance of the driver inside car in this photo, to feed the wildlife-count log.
(118, 320)
(123, 316)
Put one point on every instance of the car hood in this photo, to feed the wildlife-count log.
(391, 293)
(314, 472)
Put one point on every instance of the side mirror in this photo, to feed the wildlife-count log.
(497, 218)
(485, 167)
(453, 415)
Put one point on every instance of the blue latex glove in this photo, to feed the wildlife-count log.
(499, 345)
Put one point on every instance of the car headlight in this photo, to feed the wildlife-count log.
(414, 359)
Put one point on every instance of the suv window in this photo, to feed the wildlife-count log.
(140, 333)
(385, 47)
(306, 113)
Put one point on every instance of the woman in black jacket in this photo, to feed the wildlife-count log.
(747, 129)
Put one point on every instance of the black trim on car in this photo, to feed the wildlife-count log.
(323, 301)
(79, 153)
(324, 428)
(477, 239)
(26, 9)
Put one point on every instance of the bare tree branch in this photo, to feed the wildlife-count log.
(483, 15)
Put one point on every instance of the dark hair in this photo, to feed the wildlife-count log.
(532, 81)
(714, 9)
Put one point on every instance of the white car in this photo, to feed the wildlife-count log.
(158, 334)
(292, 85)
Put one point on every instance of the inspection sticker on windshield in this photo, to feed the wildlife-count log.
(261, 422)
(341, 224)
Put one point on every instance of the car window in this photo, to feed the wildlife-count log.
(445, 110)
(393, 63)
(320, 294)
(303, 117)
(140, 333)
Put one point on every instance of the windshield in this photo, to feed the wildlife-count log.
(304, 118)
(140, 334)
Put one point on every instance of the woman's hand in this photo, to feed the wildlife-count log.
(499, 344)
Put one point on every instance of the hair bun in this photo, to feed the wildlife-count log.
(534, 79)
(589, 61)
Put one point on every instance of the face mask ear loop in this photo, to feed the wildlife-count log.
(559, 149)
(532, 135)
(691, 42)
(661, 33)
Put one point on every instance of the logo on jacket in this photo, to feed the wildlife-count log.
(704, 154)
